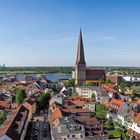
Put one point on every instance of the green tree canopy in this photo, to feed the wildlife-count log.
(93, 95)
(122, 86)
(101, 111)
(102, 82)
(109, 125)
(20, 95)
(108, 82)
(43, 99)
(15, 90)
(2, 118)
(54, 88)
(71, 83)
(89, 84)
(105, 82)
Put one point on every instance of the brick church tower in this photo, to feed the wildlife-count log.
(80, 67)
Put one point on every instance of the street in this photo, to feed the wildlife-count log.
(40, 131)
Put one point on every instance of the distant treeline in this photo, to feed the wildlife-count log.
(36, 70)
(131, 71)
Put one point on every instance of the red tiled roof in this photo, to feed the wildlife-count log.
(79, 103)
(76, 97)
(137, 119)
(116, 104)
(57, 114)
(67, 106)
(95, 74)
(89, 100)
(74, 111)
(5, 105)
(83, 114)
(138, 101)
(133, 133)
(109, 87)
(77, 100)
(21, 87)
(95, 71)
(9, 129)
(39, 91)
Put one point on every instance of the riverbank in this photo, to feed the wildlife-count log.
(50, 76)
(32, 72)
(36, 70)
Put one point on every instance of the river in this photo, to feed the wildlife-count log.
(53, 77)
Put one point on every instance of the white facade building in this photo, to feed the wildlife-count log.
(101, 94)
(86, 92)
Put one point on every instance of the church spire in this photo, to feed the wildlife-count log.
(80, 52)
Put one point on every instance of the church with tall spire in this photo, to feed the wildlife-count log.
(81, 73)
(80, 66)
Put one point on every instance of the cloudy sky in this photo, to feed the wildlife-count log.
(46, 32)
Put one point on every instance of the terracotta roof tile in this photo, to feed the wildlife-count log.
(74, 111)
(76, 97)
(95, 74)
(5, 105)
(79, 103)
(56, 115)
(10, 130)
(39, 91)
(133, 133)
(116, 104)
(109, 87)
(137, 119)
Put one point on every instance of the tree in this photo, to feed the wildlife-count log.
(108, 82)
(126, 137)
(101, 112)
(93, 95)
(2, 118)
(43, 99)
(101, 82)
(20, 95)
(109, 125)
(53, 87)
(89, 84)
(15, 90)
(71, 83)
(122, 86)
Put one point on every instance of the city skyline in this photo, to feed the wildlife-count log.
(45, 33)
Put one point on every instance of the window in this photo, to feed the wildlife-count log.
(81, 136)
(68, 136)
(73, 136)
